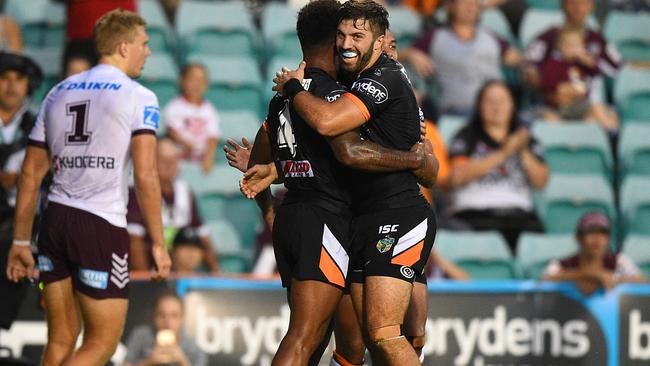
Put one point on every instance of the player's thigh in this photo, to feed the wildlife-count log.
(63, 321)
(306, 297)
(103, 319)
(386, 300)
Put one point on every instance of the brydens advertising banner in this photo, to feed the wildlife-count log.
(240, 322)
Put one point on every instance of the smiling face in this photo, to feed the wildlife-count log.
(356, 45)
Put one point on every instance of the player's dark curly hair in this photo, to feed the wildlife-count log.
(369, 10)
(317, 23)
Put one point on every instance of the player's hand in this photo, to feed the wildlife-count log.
(162, 260)
(423, 130)
(257, 179)
(20, 264)
(284, 75)
(238, 155)
(427, 173)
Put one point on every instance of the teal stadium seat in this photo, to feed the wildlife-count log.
(544, 4)
(535, 251)
(449, 126)
(216, 28)
(49, 59)
(629, 31)
(160, 74)
(238, 124)
(482, 254)
(235, 82)
(161, 35)
(638, 249)
(494, 20)
(567, 197)
(279, 31)
(405, 24)
(233, 257)
(632, 94)
(634, 149)
(635, 205)
(575, 147)
(536, 21)
(42, 22)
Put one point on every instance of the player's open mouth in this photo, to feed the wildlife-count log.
(349, 55)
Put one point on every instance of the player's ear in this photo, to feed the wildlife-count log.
(379, 42)
(122, 49)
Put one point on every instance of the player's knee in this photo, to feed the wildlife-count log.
(380, 336)
(103, 347)
(308, 337)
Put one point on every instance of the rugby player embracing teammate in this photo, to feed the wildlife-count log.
(311, 230)
(89, 127)
(395, 227)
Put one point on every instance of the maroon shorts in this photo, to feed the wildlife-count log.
(75, 243)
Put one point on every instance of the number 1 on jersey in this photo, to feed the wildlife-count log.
(79, 113)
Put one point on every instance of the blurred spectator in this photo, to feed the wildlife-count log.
(179, 211)
(11, 39)
(594, 267)
(188, 253)
(19, 77)
(462, 55)
(81, 17)
(495, 165)
(191, 120)
(629, 5)
(566, 82)
(75, 64)
(604, 56)
(170, 7)
(438, 268)
(164, 342)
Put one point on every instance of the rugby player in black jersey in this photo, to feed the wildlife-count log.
(394, 226)
(311, 230)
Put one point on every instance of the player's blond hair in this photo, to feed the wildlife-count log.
(115, 27)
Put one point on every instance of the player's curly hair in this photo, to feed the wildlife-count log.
(317, 23)
(368, 10)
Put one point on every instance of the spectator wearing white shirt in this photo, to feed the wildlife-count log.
(191, 120)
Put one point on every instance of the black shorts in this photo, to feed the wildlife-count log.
(394, 243)
(75, 243)
(311, 243)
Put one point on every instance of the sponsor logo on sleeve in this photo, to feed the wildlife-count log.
(296, 169)
(374, 89)
(151, 116)
(334, 95)
(45, 264)
(95, 279)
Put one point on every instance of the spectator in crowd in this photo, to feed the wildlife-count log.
(164, 342)
(191, 120)
(19, 77)
(462, 55)
(11, 39)
(604, 56)
(495, 165)
(76, 63)
(188, 253)
(566, 78)
(594, 267)
(179, 211)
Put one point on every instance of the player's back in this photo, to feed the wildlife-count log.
(87, 122)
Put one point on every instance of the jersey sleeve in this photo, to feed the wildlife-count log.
(37, 136)
(147, 112)
(370, 93)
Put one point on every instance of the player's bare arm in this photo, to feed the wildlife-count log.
(147, 186)
(328, 119)
(261, 153)
(20, 261)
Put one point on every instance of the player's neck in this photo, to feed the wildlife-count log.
(112, 60)
(323, 59)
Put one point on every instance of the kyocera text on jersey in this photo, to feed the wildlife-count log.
(91, 85)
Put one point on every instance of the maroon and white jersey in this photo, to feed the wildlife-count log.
(86, 122)
(194, 123)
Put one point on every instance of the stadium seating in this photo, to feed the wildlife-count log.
(280, 37)
(535, 250)
(536, 21)
(449, 125)
(575, 147)
(160, 74)
(222, 180)
(494, 20)
(636, 247)
(238, 124)
(49, 59)
(567, 197)
(233, 257)
(217, 28)
(405, 24)
(634, 149)
(629, 31)
(235, 82)
(544, 4)
(632, 94)
(635, 205)
(161, 36)
(42, 22)
(483, 255)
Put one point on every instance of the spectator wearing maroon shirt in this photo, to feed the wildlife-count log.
(593, 267)
(566, 82)
(605, 57)
(462, 55)
(179, 212)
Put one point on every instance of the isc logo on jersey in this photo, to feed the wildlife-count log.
(372, 88)
(296, 168)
